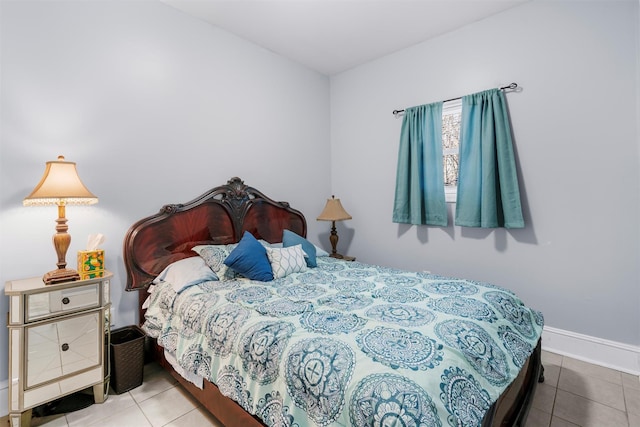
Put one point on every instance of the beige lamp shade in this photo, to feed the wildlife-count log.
(333, 211)
(60, 184)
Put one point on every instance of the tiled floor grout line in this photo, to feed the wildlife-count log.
(553, 406)
(140, 407)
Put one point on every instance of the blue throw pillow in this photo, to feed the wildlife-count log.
(289, 238)
(250, 259)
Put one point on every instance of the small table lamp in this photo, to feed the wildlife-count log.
(61, 186)
(333, 211)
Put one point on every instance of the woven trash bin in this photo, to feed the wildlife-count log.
(127, 358)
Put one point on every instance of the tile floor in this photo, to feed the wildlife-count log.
(574, 394)
(577, 393)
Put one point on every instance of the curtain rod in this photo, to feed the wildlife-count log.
(510, 86)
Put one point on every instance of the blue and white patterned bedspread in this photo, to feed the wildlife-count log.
(350, 344)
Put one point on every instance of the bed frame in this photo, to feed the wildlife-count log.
(221, 216)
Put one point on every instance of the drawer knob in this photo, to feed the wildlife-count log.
(65, 300)
(65, 347)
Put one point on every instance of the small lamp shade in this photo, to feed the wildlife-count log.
(333, 211)
(61, 186)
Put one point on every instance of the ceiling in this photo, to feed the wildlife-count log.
(331, 36)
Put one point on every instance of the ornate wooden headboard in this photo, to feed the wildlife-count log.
(219, 216)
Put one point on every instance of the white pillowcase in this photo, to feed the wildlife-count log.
(285, 261)
(186, 272)
(270, 245)
(320, 251)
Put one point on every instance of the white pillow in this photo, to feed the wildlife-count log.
(285, 261)
(320, 251)
(186, 272)
(269, 245)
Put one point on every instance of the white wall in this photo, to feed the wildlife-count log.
(576, 140)
(155, 107)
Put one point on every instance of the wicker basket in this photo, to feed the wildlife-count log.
(127, 358)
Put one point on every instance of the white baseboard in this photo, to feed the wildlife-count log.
(610, 354)
(4, 398)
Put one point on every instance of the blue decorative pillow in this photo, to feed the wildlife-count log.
(289, 238)
(250, 259)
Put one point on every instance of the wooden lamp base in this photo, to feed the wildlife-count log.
(343, 257)
(333, 238)
(61, 242)
(60, 275)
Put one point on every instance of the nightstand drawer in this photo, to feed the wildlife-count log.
(60, 301)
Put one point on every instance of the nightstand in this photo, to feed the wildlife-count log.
(58, 341)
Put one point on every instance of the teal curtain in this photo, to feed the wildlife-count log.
(419, 195)
(488, 194)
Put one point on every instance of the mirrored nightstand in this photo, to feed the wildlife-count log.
(57, 340)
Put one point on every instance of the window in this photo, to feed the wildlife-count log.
(451, 116)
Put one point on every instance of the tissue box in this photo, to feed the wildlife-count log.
(91, 264)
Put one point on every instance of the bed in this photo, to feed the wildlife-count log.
(326, 342)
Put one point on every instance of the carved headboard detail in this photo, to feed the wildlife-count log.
(219, 216)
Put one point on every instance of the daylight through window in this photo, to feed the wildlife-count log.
(451, 116)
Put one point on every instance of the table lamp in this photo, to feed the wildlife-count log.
(61, 186)
(333, 211)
